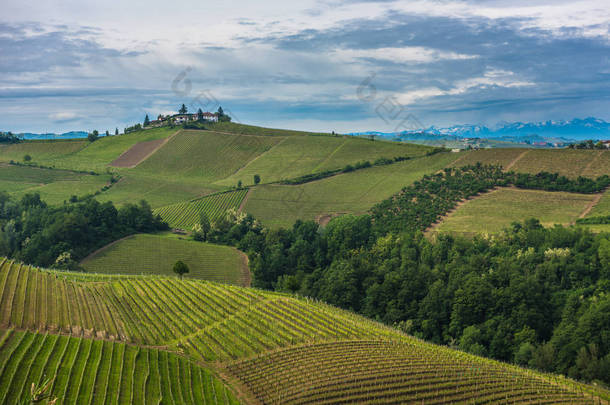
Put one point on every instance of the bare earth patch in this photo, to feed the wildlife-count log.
(137, 153)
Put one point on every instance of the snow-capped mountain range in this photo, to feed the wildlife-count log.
(548, 131)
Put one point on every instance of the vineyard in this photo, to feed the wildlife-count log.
(86, 371)
(204, 155)
(186, 214)
(94, 335)
(300, 155)
(393, 373)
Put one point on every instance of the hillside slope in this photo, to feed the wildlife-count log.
(268, 347)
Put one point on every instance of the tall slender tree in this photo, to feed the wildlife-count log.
(183, 109)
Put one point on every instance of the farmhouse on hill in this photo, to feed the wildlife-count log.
(183, 118)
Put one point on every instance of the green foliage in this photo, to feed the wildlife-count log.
(93, 136)
(182, 109)
(46, 236)
(180, 268)
(146, 121)
(27, 158)
(257, 179)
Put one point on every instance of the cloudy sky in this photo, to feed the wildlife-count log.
(314, 65)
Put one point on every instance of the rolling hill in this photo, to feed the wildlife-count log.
(156, 254)
(128, 332)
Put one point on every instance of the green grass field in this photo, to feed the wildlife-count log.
(299, 155)
(54, 186)
(493, 211)
(156, 254)
(276, 347)
(45, 152)
(354, 192)
(186, 214)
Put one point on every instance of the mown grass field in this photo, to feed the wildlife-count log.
(493, 211)
(354, 192)
(186, 214)
(156, 254)
(299, 155)
(278, 348)
(54, 186)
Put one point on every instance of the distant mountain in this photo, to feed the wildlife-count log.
(65, 135)
(551, 132)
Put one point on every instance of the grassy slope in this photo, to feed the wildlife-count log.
(495, 210)
(299, 155)
(204, 156)
(54, 186)
(268, 345)
(156, 254)
(97, 155)
(47, 153)
(355, 192)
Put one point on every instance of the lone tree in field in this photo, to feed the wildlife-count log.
(180, 268)
(147, 120)
(257, 179)
(183, 109)
(116, 131)
(27, 158)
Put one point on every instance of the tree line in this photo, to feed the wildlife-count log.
(59, 237)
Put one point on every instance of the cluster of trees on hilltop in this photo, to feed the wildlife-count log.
(9, 137)
(589, 144)
(33, 232)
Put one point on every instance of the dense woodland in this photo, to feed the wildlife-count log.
(60, 236)
(534, 296)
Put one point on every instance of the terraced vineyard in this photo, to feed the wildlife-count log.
(86, 371)
(271, 348)
(186, 214)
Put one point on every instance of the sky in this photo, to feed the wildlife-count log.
(321, 65)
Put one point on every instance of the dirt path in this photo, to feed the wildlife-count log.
(91, 255)
(591, 205)
(244, 201)
(515, 160)
(140, 152)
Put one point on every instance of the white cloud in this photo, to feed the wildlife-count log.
(63, 116)
(491, 78)
(409, 54)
